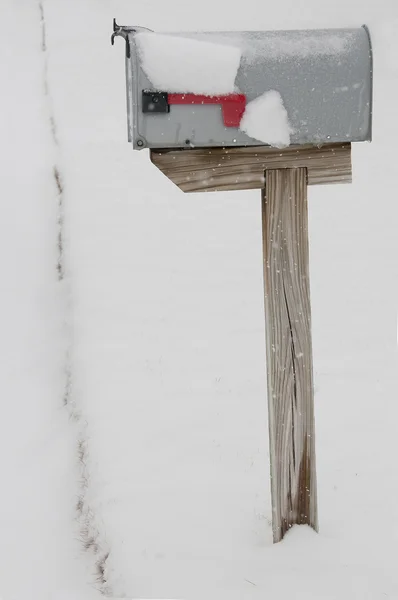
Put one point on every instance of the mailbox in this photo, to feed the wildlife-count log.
(218, 89)
(215, 109)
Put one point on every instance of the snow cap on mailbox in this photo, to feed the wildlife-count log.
(275, 88)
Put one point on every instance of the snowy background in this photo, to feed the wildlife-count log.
(133, 437)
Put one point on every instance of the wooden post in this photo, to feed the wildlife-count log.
(285, 175)
(289, 350)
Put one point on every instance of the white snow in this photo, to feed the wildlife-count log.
(40, 557)
(298, 44)
(279, 45)
(179, 64)
(167, 336)
(266, 119)
(385, 45)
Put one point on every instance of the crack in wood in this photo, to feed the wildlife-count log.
(294, 395)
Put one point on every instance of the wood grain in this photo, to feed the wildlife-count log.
(289, 350)
(220, 169)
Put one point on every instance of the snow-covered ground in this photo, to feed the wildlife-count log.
(39, 556)
(158, 464)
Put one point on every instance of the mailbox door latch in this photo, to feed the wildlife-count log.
(155, 102)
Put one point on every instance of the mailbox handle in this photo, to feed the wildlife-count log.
(120, 30)
(123, 31)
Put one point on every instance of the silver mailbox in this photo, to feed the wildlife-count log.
(323, 78)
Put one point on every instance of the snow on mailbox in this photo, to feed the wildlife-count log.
(248, 88)
(276, 111)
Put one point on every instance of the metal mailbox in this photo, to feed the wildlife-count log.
(324, 78)
(215, 110)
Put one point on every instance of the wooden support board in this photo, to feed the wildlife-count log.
(237, 168)
(289, 350)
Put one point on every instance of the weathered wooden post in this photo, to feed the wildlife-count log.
(276, 111)
(289, 350)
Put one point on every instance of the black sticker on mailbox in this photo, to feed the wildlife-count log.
(155, 102)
